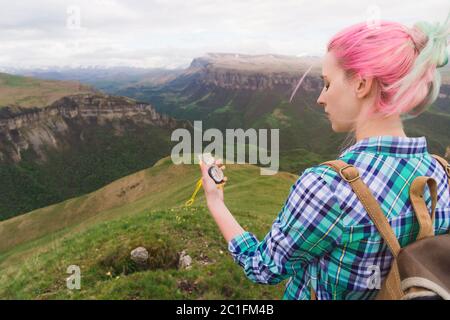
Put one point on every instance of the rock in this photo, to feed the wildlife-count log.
(187, 285)
(185, 261)
(140, 256)
(205, 260)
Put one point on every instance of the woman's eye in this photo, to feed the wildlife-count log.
(327, 86)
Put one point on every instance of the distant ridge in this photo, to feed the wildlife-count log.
(33, 92)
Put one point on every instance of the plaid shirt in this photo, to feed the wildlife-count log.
(323, 237)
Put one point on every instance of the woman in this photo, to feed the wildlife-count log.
(323, 238)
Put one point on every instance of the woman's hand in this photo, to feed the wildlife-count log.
(213, 191)
(227, 224)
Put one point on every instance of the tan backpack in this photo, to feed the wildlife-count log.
(420, 270)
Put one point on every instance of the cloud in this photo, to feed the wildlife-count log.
(162, 33)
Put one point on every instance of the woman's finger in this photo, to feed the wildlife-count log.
(219, 163)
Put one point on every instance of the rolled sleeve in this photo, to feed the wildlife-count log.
(241, 246)
(307, 227)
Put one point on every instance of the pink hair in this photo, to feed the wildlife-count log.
(402, 61)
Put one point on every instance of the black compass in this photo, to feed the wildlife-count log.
(216, 174)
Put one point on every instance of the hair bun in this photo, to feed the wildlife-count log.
(418, 37)
(434, 48)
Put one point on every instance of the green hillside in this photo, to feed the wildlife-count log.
(32, 92)
(98, 230)
(82, 166)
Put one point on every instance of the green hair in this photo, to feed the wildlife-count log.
(430, 40)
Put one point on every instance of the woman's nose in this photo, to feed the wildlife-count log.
(320, 101)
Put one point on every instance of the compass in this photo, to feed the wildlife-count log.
(216, 174)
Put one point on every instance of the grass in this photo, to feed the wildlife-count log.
(97, 232)
(297, 160)
(31, 92)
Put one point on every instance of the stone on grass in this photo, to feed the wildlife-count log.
(185, 261)
(140, 256)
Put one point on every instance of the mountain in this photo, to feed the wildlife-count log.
(97, 231)
(231, 90)
(241, 91)
(75, 145)
(105, 79)
(225, 90)
(31, 92)
(35, 130)
(253, 91)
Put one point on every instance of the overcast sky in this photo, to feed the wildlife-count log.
(169, 33)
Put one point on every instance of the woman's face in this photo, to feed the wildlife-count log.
(338, 96)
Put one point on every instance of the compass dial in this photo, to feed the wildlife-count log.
(216, 174)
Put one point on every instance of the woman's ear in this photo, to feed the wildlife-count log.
(363, 86)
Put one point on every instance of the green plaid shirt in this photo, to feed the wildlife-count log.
(323, 237)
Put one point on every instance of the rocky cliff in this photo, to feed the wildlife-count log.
(250, 72)
(38, 129)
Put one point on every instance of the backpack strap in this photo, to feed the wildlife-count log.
(444, 164)
(426, 223)
(351, 174)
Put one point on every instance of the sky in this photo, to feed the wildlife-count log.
(170, 33)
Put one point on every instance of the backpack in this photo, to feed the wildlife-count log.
(420, 270)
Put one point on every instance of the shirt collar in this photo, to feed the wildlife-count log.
(390, 146)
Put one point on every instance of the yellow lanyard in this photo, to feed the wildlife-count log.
(197, 188)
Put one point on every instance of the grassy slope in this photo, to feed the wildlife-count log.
(97, 231)
(31, 92)
(81, 167)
